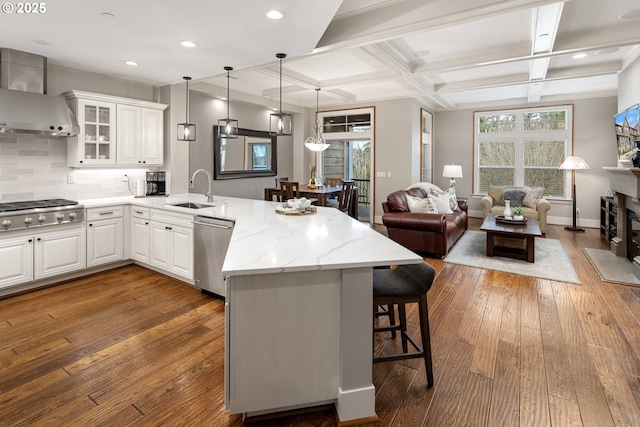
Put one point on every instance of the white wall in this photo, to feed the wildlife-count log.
(594, 139)
(629, 86)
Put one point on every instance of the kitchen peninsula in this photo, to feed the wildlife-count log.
(298, 307)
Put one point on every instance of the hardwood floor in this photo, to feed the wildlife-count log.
(133, 347)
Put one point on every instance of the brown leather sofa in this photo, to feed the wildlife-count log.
(425, 233)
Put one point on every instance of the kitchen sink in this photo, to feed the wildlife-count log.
(191, 205)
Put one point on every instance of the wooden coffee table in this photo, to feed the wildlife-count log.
(511, 240)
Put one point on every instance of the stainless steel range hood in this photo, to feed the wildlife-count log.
(24, 107)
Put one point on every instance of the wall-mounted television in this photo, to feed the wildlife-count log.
(627, 134)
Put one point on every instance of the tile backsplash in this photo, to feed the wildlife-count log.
(35, 167)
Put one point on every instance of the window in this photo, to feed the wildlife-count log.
(523, 147)
(426, 145)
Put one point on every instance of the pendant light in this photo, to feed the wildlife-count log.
(186, 130)
(280, 123)
(228, 127)
(316, 142)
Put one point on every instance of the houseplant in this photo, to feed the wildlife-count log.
(518, 213)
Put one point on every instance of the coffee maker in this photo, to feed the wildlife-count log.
(156, 183)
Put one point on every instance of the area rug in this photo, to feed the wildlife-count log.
(611, 268)
(552, 262)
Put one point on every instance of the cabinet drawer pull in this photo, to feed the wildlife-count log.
(106, 213)
(30, 240)
(139, 212)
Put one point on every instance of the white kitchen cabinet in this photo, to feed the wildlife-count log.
(27, 257)
(115, 131)
(104, 235)
(140, 234)
(59, 252)
(139, 135)
(17, 260)
(171, 242)
(95, 144)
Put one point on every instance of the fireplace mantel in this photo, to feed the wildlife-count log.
(625, 181)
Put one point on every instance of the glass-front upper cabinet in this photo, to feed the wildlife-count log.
(97, 132)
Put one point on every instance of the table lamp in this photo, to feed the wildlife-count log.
(452, 171)
(574, 163)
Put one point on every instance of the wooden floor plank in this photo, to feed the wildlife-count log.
(67, 355)
(556, 361)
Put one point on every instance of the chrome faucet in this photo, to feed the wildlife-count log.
(209, 177)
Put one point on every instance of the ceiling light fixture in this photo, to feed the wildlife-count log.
(186, 130)
(131, 63)
(275, 14)
(316, 142)
(188, 43)
(579, 56)
(280, 123)
(228, 127)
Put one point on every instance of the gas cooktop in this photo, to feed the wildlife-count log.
(35, 204)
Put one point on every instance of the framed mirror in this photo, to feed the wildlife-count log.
(253, 154)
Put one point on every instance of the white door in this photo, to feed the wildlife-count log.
(128, 134)
(17, 261)
(159, 245)
(140, 239)
(59, 252)
(152, 136)
(104, 241)
(182, 251)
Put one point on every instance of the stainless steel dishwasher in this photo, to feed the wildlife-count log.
(211, 240)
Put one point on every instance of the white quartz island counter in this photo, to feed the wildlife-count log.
(299, 306)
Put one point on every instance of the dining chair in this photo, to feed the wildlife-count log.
(346, 196)
(289, 190)
(281, 178)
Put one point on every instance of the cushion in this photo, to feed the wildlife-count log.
(514, 195)
(533, 196)
(425, 186)
(495, 192)
(442, 202)
(397, 201)
(417, 204)
(453, 200)
(417, 192)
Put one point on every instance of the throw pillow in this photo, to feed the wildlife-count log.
(533, 196)
(514, 195)
(442, 203)
(417, 204)
(453, 200)
(425, 186)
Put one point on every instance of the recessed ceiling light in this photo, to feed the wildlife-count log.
(579, 55)
(42, 42)
(275, 14)
(131, 63)
(632, 14)
(188, 43)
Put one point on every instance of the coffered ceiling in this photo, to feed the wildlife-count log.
(448, 54)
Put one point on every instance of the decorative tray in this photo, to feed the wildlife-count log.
(286, 210)
(504, 220)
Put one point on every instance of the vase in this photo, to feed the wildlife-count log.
(507, 208)
(518, 218)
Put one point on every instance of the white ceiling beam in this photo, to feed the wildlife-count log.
(412, 17)
(544, 30)
(389, 57)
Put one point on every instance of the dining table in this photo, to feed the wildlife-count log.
(320, 193)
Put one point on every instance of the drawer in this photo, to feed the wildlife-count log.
(138, 212)
(172, 218)
(94, 214)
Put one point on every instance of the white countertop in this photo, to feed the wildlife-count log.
(266, 242)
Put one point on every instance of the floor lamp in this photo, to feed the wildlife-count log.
(574, 163)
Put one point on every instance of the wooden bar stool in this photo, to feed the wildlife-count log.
(402, 285)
